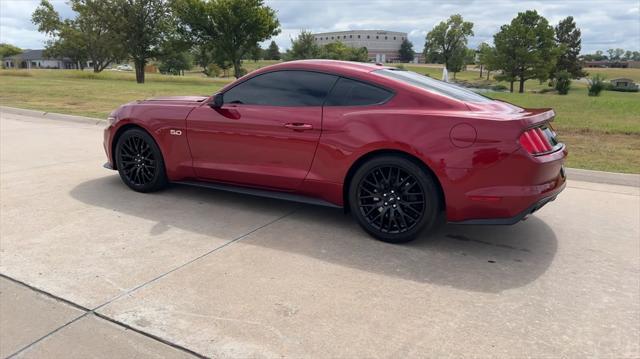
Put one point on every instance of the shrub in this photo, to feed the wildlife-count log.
(498, 88)
(546, 90)
(17, 73)
(563, 82)
(620, 89)
(596, 85)
(212, 70)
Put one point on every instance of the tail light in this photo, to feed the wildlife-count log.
(539, 140)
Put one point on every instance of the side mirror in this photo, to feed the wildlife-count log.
(217, 101)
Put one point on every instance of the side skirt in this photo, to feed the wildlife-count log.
(260, 193)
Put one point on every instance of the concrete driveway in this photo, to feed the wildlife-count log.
(91, 269)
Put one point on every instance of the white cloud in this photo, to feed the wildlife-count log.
(615, 23)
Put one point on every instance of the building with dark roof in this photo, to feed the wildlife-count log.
(36, 59)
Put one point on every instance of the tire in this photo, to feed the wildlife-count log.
(393, 198)
(140, 162)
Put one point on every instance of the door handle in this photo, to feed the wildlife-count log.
(299, 126)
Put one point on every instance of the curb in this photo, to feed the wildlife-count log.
(622, 179)
(50, 115)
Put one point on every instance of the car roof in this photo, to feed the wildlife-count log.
(326, 65)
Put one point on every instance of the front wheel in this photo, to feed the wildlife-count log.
(393, 199)
(140, 162)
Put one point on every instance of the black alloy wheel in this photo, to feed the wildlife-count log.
(393, 198)
(139, 161)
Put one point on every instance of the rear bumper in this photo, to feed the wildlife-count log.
(517, 218)
(508, 191)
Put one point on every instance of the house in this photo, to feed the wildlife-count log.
(612, 63)
(624, 84)
(36, 59)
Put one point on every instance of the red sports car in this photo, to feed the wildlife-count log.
(392, 147)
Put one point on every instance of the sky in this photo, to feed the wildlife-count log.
(605, 24)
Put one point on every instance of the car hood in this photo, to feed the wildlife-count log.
(176, 99)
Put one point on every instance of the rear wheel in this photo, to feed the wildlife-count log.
(393, 199)
(140, 162)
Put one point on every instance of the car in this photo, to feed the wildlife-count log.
(125, 67)
(399, 151)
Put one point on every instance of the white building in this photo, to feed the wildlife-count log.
(382, 45)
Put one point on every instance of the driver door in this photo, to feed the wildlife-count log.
(266, 132)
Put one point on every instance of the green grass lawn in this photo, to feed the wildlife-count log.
(94, 95)
(602, 133)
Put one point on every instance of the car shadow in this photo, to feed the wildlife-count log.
(476, 258)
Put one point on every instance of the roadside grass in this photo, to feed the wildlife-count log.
(602, 133)
(613, 73)
(72, 92)
(609, 113)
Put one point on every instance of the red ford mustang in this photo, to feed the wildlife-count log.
(393, 147)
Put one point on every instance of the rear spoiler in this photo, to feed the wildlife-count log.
(533, 117)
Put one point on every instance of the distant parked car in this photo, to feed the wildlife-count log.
(125, 67)
(394, 147)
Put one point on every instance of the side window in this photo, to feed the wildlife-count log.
(283, 88)
(348, 92)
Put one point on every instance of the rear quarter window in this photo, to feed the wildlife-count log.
(432, 85)
(347, 92)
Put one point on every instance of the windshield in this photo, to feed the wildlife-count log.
(441, 87)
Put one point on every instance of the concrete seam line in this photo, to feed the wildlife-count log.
(86, 312)
(47, 335)
(126, 326)
(45, 293)
(193, 260)
(149, 335)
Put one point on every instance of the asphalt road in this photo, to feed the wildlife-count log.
(91, 268)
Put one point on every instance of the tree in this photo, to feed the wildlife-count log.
(597, 56)
(570, 44)
(484, 50)
(256, 53)
(203, 55)
(303, 47)
(175, 63)
(174, 56)
(615, 54)
(406, 51)
(525, 49)
(234, 27)
(91, 35)
(8, 50)
(447, 41)
(272, 52)
(628, 55)
(47, 18)
(460, 59)
(145, 26)
(563, 82)
(339, 51)
(70, 44)
(490, 59)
